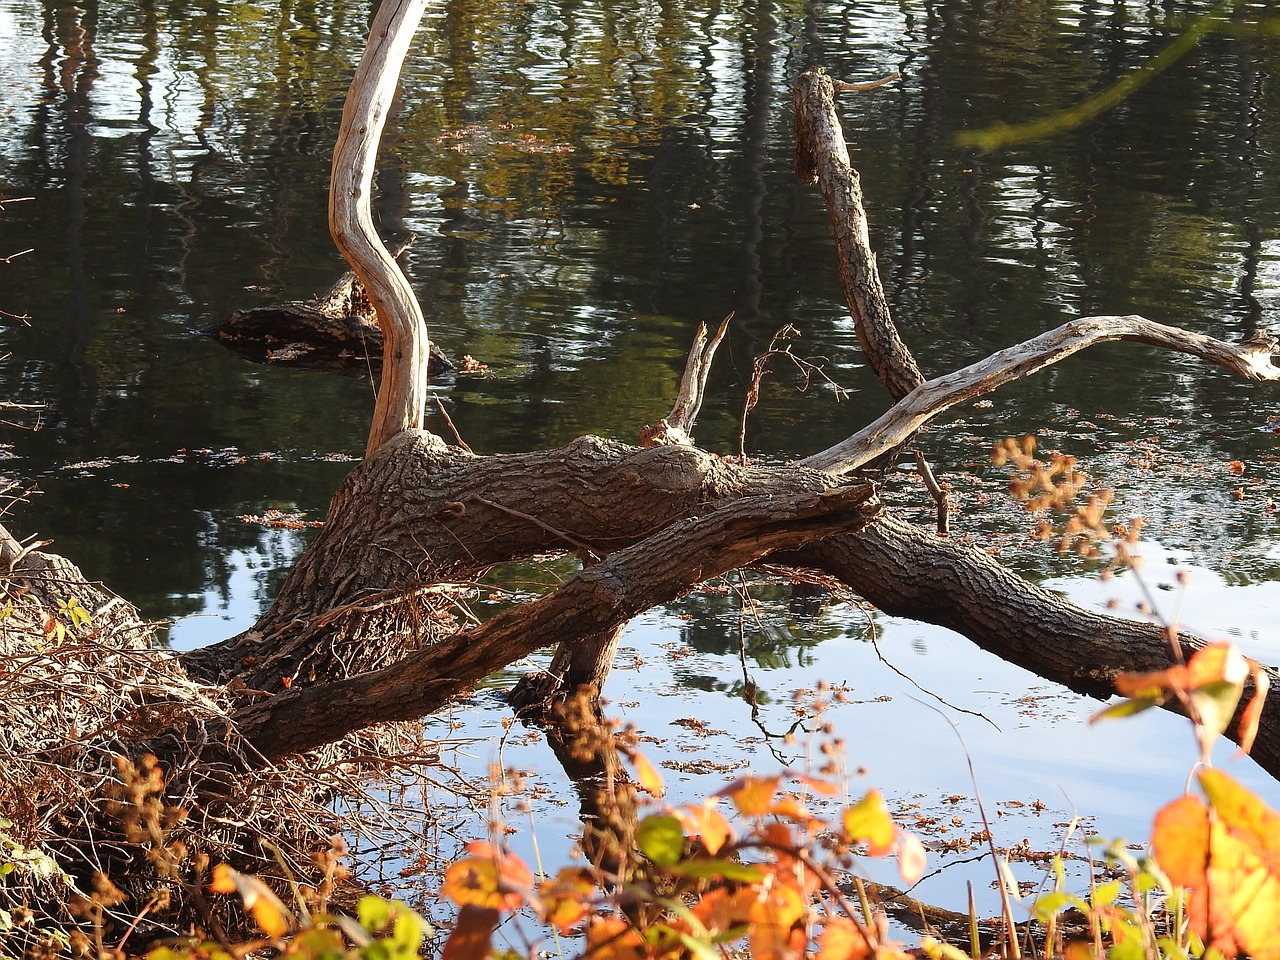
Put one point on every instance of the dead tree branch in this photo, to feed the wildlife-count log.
(402, 395)
(1250, 359)
(657, 570)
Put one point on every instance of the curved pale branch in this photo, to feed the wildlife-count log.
(402, 395)
(1250, 359)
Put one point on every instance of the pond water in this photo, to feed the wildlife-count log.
(586, 184)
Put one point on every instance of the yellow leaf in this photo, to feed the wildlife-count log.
(868, 821)
(648, 775)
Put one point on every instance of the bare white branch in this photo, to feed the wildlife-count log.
(1250, 359)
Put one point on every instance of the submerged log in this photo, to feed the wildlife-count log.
(336, 331)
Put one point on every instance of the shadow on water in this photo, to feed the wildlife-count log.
(587, 183)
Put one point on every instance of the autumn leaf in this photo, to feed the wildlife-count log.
(1227, 854)
(1212, 682)
(842, 939)
(487, 878)
(707, 823)
(612, 938)
(776, 932)
(264, 906)
(566, 898)
(868, 821)
(648, 775)
(753, 796)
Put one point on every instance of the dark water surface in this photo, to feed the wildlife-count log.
(587, 183)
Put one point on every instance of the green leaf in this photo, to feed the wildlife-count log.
(1105, 893)
(1125, 708)
(718, 870)
(698, 948)
(374, 913)
(661, 838)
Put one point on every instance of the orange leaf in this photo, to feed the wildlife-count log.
(566, 898)
(488, 878)
(753, 796)
(841, 939)
(708, 823)
(472, 936)
(868, 821)
(776, 932)
(611, 938)
(823, 788)
(264, 906)
(1252, 714)
(1228, 860)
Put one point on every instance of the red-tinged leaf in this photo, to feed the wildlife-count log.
(472, 936)
(868, 821)
(911, 858)
(1242, 812)
(707, 823)
(1180, 841)
(1152, 685)
(1252, 714)
(495, 881)
(753, 796)
(648, 776)
(841, 939)
(1228, 862)
(1217, 663)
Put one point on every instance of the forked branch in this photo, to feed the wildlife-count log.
(1250, 359)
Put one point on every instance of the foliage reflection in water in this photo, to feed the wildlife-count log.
(586, 184)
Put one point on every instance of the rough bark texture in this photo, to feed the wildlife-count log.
(657, 569)
(823, 158)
